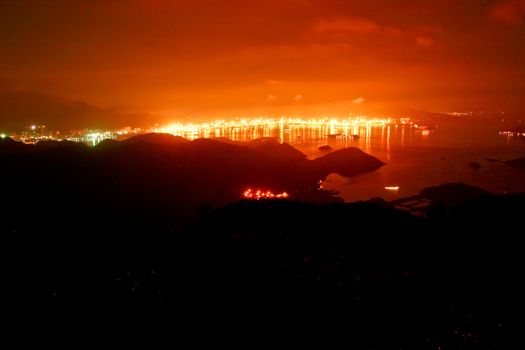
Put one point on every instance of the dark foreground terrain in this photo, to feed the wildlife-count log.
(270, 272)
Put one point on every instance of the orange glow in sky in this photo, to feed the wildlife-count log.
(164, 61)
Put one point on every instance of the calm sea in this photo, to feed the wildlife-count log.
(416, 160)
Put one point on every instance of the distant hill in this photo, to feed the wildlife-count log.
(518, 163)
(453, 194)
(337, 162)
(21, 108)
(154, 138)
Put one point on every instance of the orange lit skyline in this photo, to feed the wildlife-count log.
(185, 59)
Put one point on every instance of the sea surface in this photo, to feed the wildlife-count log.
(415, 159)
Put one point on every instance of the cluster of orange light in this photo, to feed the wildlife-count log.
(196, 129)
(258, 194)
(512, 133)
(217, 128)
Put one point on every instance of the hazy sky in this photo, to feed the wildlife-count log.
(268, 56)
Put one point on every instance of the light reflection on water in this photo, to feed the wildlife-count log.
(310, 138)
(415, 159)
(356, 132)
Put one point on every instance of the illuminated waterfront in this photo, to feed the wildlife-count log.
(417, 156)
(263, 194)
(289, 130)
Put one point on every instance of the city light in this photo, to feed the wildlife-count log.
(261, 194)
(196, 129)
(284, 129)
(512, 133)
(242, 130)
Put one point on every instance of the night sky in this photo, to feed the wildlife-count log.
(307, 57)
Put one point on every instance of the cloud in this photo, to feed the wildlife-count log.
(511, 12)
(358, 101)
(298, 98)
(425, 41)
(355, 25)
(271, 98)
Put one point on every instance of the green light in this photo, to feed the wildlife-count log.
(3, 136)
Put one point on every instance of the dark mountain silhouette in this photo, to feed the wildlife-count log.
(155, 138)
(165, 173)
(453, 194)
(58, 145)
(272, 148)
(21, 108)
(475, 165)
(10, 146)
(360, 275)
(437, 200)
(103, 237)
(335, 162)
(105, 144)
(518, 163)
